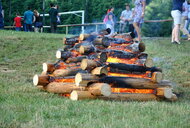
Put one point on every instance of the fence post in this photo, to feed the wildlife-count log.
(96, 28)
(67, 30)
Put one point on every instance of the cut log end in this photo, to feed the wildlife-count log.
(83, 36)
(40, 80)
(47, 67)
(82, 49)
(78, 79)
(100, 71)
(149, 63)
(142, 47)
(64, 40)
(58, 54)
(164, 93)
(157, 77)
(100, 89)
(84, 64)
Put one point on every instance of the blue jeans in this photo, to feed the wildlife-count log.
(18, 29)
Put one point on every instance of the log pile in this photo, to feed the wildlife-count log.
(92, 66)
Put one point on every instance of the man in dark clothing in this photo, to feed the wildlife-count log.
(28, 19)
(53, 13)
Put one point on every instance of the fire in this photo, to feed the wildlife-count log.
(69, 80)
(129, 90)
(123, 48)
(145, 75)
(118, 60)
(65, 95)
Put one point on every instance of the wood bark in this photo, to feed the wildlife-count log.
(81, 95)
(63, 88)
(67, 72)
(75, 59)
(131, 97)
(41, 80)
(83, 36)
(132, 68)
(100, 71)
(86, 49)
(85, 79)
(100, 89)
(130, 82)
(70, 41)
(87, 64)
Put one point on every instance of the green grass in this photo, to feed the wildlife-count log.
(23, 105)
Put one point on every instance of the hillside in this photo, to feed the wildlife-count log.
(23, 105)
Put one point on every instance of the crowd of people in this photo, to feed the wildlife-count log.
(133, 19)
(33, 18)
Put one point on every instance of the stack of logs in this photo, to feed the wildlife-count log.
(92, 66)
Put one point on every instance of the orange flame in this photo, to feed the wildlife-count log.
(129, 90)
(118, 60)
(145, 75)
(65, 95)
(69, 80)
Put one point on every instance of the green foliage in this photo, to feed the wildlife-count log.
(158, 10)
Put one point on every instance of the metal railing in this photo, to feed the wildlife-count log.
(92, 24)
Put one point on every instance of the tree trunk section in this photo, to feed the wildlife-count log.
(81, 95)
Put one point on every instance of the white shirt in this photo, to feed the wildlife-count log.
(188, 11)
(126, 15)
(185, 7)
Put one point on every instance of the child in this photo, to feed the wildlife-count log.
(17, 22)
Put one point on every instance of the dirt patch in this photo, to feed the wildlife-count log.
(6, 70)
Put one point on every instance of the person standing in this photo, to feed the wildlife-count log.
(111, 20)
(177, 15)
(184, 18)
(53, 13)
(38, 25)
(28, 19)
(138, 16)
(125, 20)
(17, 22)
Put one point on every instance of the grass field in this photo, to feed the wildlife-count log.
(23, 105)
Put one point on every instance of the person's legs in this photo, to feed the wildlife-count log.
(52, 27)
(137, 28)
(177, 32)
(183, 28)
(55, 27)
(131, 28)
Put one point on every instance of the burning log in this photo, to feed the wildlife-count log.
(75, 59)
(71, 41)
(86, 49)
(62, 88)
(50, 68)
(43, 80)
(128, 36)
(129, 82)
(164, 92)
(131, 97)
(99, 89)
(85, 79)
(99, 71)
(63, 54)
(131, 68)
(100, 42)
(81, 95)
(67, 47)
(66, 72)
(121, 54)
(87, 64)
(84, 36)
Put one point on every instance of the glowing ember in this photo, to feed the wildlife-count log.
(118, 60)
(146, 75)
(129, 90)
